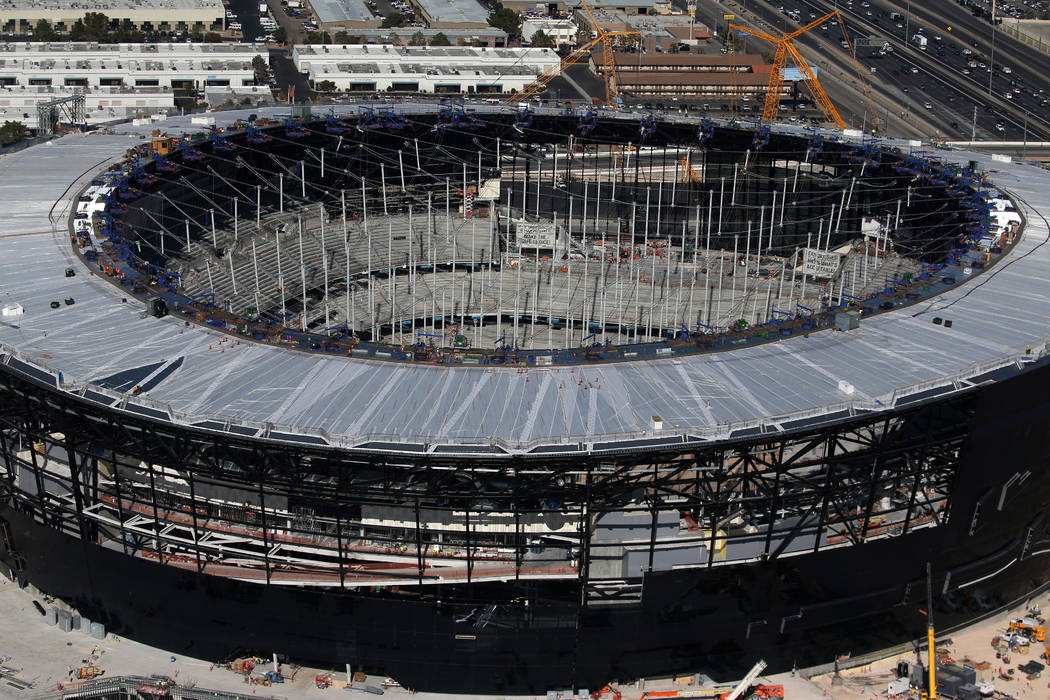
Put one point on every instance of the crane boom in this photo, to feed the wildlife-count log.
(608, 61)
(785, 48)
(550, 74)
(745, 684)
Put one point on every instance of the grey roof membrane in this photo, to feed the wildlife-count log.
(101, 341)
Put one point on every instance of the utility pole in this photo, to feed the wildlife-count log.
(991, 61)
(973, 127)
(1024, 148)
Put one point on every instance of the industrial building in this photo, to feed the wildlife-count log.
(169, 65)
(489, 37)
(451, 70)
(655, 32)
(20, 16)
(101, 104)
(562, 31)
(344, 14)
(691, 74)
(123, 80)
(453, 14)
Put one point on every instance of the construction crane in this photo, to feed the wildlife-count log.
(931, 647)
(785, 49)
(608, 61)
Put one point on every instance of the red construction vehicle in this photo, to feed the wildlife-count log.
(323, 680)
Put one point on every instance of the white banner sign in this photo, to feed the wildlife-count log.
(819, 263)
(536, 235)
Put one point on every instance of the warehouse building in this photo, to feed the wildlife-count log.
(453, 14)
(489, 37)
(101, 104)
(450, 70)
(690, 74)
(20, 16)
(560, 7)
(84, 65)
(656, 32)
(562, 31)
(344, 14)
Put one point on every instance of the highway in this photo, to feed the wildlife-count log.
(961, 67)
(931, 93)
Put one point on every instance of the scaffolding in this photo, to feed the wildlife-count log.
(69, 110)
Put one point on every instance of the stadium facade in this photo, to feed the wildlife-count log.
(425, 466)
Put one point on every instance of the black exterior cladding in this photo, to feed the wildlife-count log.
(792, 610)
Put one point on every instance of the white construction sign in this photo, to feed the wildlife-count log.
(536, 235)
(819, 263)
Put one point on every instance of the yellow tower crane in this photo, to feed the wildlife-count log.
(608, 61)
(785, 49)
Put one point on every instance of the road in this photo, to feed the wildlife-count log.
(929, 94)
(837, 74)
(942, 74)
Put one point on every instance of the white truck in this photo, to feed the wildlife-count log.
(920, 40)
(263, 9)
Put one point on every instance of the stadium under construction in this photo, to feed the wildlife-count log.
(505, 400)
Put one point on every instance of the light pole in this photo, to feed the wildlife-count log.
(991, 64)
(1024, 147)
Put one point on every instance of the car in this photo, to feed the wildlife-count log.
(904, 89)
(954, 125)
(1007, 70)
(914, 69)
(927, 105)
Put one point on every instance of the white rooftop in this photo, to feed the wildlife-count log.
(349, 401)
(451, 11)
(341, 11)
(84, 6)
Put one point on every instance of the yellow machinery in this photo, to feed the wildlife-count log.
(608, 60)
(1029, 627)
(785, 49)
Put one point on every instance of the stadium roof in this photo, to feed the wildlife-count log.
(350, 401)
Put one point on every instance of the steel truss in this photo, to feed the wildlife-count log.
(287, 515)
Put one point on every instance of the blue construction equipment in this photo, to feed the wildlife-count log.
(189, 152)
(218, 141)
(522, 119)
(588, 122)
(706, 131)
(647, 126)
(254, 135)
(293, 129)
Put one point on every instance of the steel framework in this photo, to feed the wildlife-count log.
(69, 109)
(291, 516)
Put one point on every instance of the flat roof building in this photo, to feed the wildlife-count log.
(17, 16)
(348, 14)
(488, 37)
(18, 103)
(112, 75)
(562, 31)
(690, 74)
(453, 14)
(452, 70)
